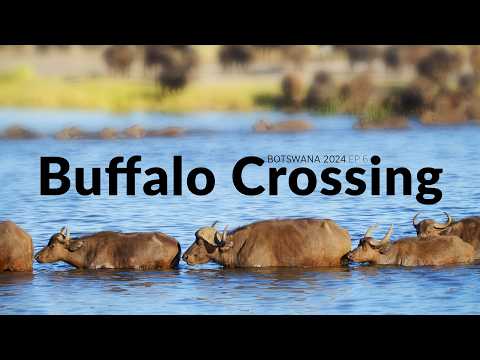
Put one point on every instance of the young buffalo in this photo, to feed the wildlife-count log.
(111, 250)
(273, 243)
(432, 250)
(468, 229)
(16, 248)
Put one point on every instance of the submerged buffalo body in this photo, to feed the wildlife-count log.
(273, 243)
(16, 248)
(468, 229)
(111, 250)
(413, 251)
(289, 126)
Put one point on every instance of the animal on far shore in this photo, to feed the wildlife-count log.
(468, 229)
(133, 132)
(272, 243)
(412, 251)
(289, 126)
(112, 250)
(74, 133)
(138, 132)
(16, 248)
(19, 133)
(392, 122)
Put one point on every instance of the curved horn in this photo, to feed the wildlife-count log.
(63, 231)
(214, 224)
(370, 231)
(388, 235)
(225, 232)
(384, 241)
(447, 224)
(415, 224)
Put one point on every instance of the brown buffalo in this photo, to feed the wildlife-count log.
(289, 126)
(112, 250)
(272, 243)
(107, 134)
(468, 229)
(72, 133)
(75, 133)
(16, 248)
(19, 133)
(166, 132)
(135, 132)
(412, 251)
(392, 122)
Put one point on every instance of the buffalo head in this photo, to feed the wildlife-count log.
(428, 227)
(58, 247)
(369, 249)
(208, 241)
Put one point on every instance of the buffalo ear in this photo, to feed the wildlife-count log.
(383, 249)
(75, 245)
(227, 245)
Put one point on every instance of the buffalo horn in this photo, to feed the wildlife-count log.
(447, 224)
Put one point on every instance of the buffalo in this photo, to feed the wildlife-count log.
(133, 132)
(138, 132)
(468, 229)
(289, 126)
(75, 133)
(16, 248)
(272, 243)
(412, 251)
(166, 132)
(19, 133)
(112, 250)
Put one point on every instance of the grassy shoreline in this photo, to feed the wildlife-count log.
(24, 89)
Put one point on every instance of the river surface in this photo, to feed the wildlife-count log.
(218, 141)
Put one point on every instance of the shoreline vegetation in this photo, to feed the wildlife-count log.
(383, 86)
(22, 88)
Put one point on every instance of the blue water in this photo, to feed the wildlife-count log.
(208, 289)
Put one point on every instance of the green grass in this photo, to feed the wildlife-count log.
(376, 114)
(22, 88)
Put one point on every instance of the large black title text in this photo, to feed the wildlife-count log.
(158, 179)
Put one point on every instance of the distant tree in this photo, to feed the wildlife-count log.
(296, 54)
(360, 53)
(358, 93)
(438, 65)
(468, 84)
(173, 81)
(236, 55)
(267, 48)
(406, 101)
(119, 58)
(475, 60)
(321, 92)
(414, 53)
(46, 48)
(292, 90)
(392, 58)
(174, 64)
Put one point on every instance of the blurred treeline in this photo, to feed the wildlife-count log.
(432, 83)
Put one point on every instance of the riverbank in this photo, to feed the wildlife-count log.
(22, 89)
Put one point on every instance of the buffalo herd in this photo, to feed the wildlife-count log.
(301, 243)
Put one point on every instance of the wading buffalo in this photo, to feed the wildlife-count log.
(272, 243)
(412, 251)
(16, 248)
(19, 133)
(468, 229)
(289, 126)
(111, 250)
